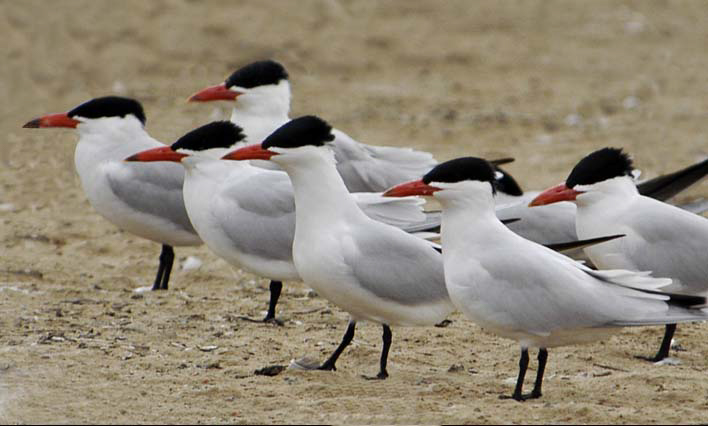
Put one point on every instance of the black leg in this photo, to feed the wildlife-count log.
(275, 289)
(542, 358)
(665, 345)
(523, 365)
(158, 278)
(167, 258)
(346, 340)
(384, 354)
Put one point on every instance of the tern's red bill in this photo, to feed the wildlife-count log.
(416, 187)
(162, 153)
(251, 152)
(555, 194)
(52, 120)
(214, 93)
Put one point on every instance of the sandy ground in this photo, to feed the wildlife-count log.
(545, 82)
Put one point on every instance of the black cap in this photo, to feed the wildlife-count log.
(603, 164)
(219, 134)
(261, 73)
(109, 106)
(461, 169)
(301, 131)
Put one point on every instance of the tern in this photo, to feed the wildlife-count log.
(246, 214)
(373, 271)
(524, 291)
(554, 223)
(669, 241)
(142, 199)
(261, 95)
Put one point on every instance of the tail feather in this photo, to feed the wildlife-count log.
(673, 315)
(681, 308)
(634, 280)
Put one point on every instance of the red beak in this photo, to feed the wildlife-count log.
(251, 152)
(554, 195)
(52, 120)
(162, 153)
(214, 93)
(415, 187)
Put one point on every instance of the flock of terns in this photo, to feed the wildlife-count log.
(298, 200)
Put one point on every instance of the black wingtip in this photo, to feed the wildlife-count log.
(502, 161)
(666, 186)
(681, 300)
(583, 243)
(510, 220)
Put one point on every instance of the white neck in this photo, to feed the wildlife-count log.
(110, 138)
(261, 110)
(616, 190)
(468, 218)
(321, 198)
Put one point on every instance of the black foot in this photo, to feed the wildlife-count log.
(274, 320)
(443, 323)
(265, 320)
(655, 358)
(381, 376)
(327, 367)
(521, 397)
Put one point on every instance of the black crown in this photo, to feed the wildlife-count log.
(109, 106)
(306, 130)
(601, 165)
(460, 169)
(219, 134)
(259, 73)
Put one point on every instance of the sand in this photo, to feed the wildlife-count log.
(545, 82)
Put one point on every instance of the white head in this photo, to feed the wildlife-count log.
(210, 141)
(258, 88)
(607, 171)
(295, 142)
(467, 181)
(105, 115)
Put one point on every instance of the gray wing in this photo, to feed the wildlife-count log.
(151, 188)
(551, 224)
(668, 241)
(396, 266)
(541, 291)
(258, 215)
(368, 168)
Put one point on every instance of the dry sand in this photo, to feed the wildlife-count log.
(545, 82)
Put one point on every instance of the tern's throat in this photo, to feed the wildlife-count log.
(262, 110)
(320, 193)
(468, 217)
